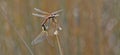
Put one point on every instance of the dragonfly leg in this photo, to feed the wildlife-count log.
(44, 27)
(54, 20)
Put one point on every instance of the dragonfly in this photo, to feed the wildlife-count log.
(47, 16)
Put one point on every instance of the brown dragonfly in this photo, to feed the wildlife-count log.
(47, 16)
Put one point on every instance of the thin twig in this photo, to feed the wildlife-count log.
(59, 45)
(56, 35)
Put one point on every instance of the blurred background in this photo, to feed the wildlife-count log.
(90, 27)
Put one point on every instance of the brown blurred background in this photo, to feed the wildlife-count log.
(90, 27)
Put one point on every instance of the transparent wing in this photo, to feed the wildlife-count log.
(49, 37)
(57, 11)
(42, 36)
(38, 10)
(38, 15)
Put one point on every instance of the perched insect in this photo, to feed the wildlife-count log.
(47, 16)
(44, 34)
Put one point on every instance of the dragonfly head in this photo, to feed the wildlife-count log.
(55, 15)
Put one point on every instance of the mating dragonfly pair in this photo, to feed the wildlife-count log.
(44, 34)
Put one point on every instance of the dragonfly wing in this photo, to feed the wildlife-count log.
(38, 15)
(38, 10)
(57, 11)
(42, 36)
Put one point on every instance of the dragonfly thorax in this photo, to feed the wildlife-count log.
(52, 16)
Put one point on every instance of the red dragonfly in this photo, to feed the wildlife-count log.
(44, 34)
